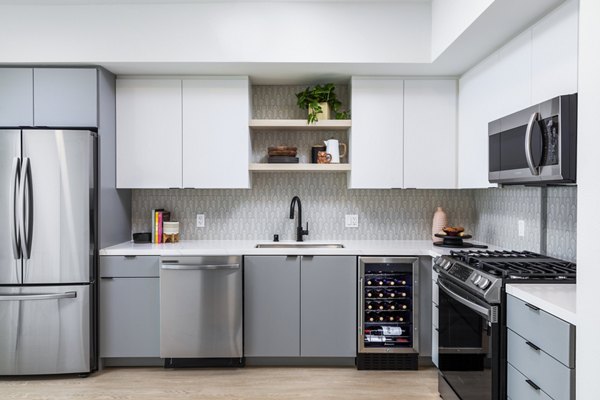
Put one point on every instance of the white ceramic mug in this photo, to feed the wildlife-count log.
(333, 148)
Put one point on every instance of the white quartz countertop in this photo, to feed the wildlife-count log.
(248, 247)
(556, 299)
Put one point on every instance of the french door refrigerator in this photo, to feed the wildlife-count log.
(47, 251)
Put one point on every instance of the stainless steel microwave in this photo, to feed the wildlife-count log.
(537, 145)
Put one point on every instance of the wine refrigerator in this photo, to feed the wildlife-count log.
(388, 313)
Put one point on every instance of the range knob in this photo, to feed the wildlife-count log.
(484, 283)
(446, 264)
(477, 279)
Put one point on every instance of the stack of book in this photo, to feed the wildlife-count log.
(159, 216)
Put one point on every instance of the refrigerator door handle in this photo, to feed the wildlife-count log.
(14, 207)
(38, 296)
(26, 214)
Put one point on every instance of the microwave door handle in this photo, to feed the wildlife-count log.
(481, 310)
(528, 151)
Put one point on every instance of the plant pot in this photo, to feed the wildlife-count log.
(325, 111)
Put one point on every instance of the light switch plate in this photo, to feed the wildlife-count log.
(199, 220)
(351, 221)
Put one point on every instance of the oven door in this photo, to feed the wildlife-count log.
(469, 345)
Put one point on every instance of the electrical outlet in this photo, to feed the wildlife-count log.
(521, 224)
(351, 221)
(199, 220)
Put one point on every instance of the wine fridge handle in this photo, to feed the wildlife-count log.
(361, 305)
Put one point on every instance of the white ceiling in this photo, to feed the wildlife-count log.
(114, 2)
(377, 47)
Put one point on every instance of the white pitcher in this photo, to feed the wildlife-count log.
(333, 148)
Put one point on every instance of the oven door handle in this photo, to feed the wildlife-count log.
(479, 309)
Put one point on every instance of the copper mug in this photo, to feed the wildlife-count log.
(323, 157)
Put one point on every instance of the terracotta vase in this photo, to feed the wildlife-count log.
(440, 220)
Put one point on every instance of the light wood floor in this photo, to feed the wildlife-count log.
(251, 383)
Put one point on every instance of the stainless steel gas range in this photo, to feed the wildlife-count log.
(472, 316)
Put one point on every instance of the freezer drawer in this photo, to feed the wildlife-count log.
(44, 330)
(201, 307)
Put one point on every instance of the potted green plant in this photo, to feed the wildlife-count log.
(319, 101)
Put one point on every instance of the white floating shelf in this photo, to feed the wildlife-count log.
(300, 124)
(264, 167)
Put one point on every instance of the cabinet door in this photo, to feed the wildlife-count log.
(16, 97)
(272, 306)
(216, 138)
(376, 137)
(430, 134)
(475, 108)
(328, 306)
(149, 133)
(65, 97)
(554, 73)
(129, 307)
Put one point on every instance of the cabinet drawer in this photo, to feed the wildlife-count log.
(129, 266)
(553, 377)
(519, 389)
(553, 335)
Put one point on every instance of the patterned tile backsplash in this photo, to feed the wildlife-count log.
(264, 210)
(490, 214)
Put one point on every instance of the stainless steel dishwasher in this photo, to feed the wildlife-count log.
(201, 313)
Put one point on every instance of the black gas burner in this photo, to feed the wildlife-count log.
(518, 265)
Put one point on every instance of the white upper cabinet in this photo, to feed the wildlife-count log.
(537, 65)
(65, 97)
(149, 133)
(430, 134)
(554, 55)
(216, 138)
(376, 136)
(16, 97)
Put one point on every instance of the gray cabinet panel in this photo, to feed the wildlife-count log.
(328, 306)
(65, 97)
(271, 306)
(129, 317)
(16, 97)
(129, 266)
(553, 377)
(555, 336)
(519, 389)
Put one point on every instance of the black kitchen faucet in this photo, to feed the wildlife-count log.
(300, 232)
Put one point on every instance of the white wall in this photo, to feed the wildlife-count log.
(377, 32)
(450, 18)
(588, 172)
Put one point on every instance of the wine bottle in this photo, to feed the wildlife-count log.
(391, 293)
(370, 293)
(370, 305)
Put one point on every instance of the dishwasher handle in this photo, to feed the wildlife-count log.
(192, 267)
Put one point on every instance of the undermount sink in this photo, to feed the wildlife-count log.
(299, 245)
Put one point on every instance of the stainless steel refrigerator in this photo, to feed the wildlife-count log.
(47, 251)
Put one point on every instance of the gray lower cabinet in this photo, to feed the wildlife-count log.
(129, 307)
(541, 353)
(272, 306)
(328, 306)
(300, 306)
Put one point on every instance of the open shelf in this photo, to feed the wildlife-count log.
(300, 124)
(264, 167)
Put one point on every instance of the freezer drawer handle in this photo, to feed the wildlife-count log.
(199, 266)
(38, 296)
